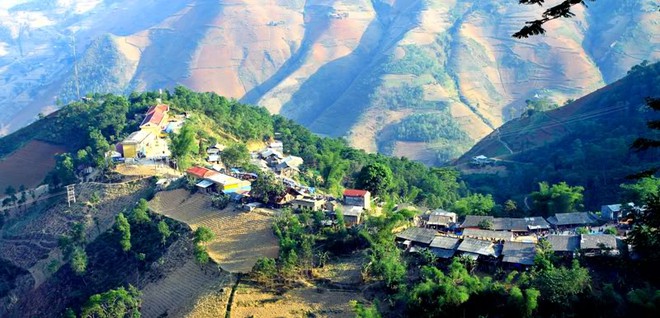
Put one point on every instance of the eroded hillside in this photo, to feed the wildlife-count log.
(353, 68)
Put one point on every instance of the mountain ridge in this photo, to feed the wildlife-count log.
(351, 68)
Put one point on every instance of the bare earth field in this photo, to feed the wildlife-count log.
(28, 165)
(241, 237)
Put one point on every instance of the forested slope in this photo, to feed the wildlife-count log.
(586, 142)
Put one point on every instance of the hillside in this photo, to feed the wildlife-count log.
(351, 68)
(586, 142)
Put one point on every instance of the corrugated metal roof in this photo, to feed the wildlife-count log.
(519, 253)
(574, 218)
(487, 234)
(417, 234)
(597, 241)
(445, 242)
(481, 247)
(563, 243)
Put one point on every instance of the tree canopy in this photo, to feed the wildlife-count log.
(115, 303)
(558, 198)
(375, 177)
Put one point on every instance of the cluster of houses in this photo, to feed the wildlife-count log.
(511, 241)
(148, 142)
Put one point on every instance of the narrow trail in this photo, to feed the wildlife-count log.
(231, 295)
(499, 138)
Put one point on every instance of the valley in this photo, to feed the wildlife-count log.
(349, 68)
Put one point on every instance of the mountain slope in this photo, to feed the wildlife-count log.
(353, 68)
(586, 142)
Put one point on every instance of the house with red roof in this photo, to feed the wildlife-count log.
(355, 197)
(200, 173)
(156, 118)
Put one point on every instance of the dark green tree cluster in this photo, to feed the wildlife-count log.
(267, 188)
(73, 248)
(201, 237)
(375, 177)
(236, 155)
(474, 204)
(115, 303)
(183, 145)
(124, 229)
(430, 127)
(557, 198)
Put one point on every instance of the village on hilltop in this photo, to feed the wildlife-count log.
(511, 242)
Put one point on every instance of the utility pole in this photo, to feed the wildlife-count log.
(70, 194)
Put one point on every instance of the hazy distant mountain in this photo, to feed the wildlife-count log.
(352, 68)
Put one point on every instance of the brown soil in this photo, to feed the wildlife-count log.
(241, 237)
(28, 165)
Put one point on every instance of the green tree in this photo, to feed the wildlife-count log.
(610, 230)
(201, 255)
(124, 228)
(581, 230)
(558, 198)
(642, 190)
(474, 204)
(78, 260)
(164, 231)
(63, 173)
(645, 234)
(485, 225)
(375, 177)
(141, 212)
(267, 187)
(559, 284)
(264, 270)
(203, 235)
(115, 303)
(362, 311)
(645, 143)
(183, 145)
(236, 155)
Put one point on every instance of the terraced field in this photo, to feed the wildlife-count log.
(172, 295)
(241, 238)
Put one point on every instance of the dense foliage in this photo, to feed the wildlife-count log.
(586, 143)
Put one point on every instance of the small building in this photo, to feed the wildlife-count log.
(598, 244)
(155, 119)
(518, 253)
(271, 156)
(572, 220)
(565, 245)
(441, 219)
(277, 145)
(614, 212)
(417, 236)
(215, 149)
(482, 160)
(308, 203)
(495, 236)
(475, 248)
(352, 215)
(229, 184)
(289, 166)
(444, 246)
(213, 158)
(138, 144)
(357, 198)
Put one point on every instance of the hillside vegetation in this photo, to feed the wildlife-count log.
(587, 143)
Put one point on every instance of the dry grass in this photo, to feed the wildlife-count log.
(241, 237)
(252, 301)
